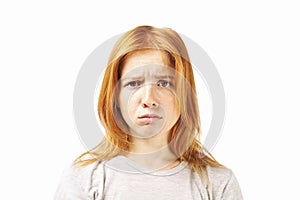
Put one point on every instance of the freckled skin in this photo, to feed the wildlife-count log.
(147, 94)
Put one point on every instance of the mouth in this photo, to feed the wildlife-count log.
(149, 118)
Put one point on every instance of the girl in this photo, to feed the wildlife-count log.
(151, 149)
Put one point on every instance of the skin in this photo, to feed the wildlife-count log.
(147, 87)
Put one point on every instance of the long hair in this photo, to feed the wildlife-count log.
(184, 137)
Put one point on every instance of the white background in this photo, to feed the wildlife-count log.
(254, 45)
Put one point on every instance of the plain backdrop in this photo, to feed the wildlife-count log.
(254, 45)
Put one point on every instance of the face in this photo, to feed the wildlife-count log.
(147, 100)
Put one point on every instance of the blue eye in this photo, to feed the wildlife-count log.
(133, 84)
(164, 83)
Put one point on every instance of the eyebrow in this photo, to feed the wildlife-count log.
(164, 76)
(141, 77)
(131, 78)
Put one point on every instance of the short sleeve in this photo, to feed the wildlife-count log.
(71, 186)
(223, 184)
(82, 183)
(232, 190)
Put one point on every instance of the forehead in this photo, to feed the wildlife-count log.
(148, 61)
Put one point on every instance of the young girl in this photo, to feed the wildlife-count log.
(151, 149)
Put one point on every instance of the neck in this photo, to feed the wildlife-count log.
(148, 145)
(153, 153)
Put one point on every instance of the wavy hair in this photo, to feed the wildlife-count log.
(184, 137)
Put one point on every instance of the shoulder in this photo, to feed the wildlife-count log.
(224, 183)
(219, 174)
(82, 173)
(76, 182)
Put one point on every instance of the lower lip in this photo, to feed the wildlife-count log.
(148, 119)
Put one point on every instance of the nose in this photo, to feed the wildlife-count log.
(149, 98)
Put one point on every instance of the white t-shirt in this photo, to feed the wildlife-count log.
(122, 179)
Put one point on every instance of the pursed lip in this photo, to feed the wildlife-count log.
(149, 116)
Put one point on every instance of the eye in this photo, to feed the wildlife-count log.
(163, 83)
(133, 84)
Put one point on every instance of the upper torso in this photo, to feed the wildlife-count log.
(122, 179)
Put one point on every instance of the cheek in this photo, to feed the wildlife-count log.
(171, 101)
(128, 103)
(171, 108)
